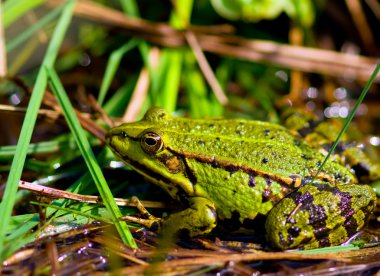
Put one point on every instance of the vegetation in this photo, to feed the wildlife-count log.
(69, 70)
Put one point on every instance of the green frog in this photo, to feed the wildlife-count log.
(233, 171)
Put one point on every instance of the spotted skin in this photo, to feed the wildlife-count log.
(309, 217)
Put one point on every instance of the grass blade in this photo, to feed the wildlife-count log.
(351, 115)
(112, 65)
(89, 158)
(16, 9)
(9, 197)
(34, 28)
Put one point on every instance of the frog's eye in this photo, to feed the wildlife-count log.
(151, 142)
(124, 134)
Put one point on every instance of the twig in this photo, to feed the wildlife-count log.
(205, 67)
(55, 193)
(293, 57)
(375, 7)
(142, 87)
(357, 14)
(45, 112)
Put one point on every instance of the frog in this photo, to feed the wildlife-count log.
(236, 171)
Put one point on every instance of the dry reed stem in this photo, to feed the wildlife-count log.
(305, 59)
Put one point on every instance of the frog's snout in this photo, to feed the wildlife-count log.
(109, 139)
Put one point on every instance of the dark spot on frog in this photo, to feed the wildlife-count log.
(306, 180)
(214, 162)
(252, 181)
(282, 240)
(217, 138)
(319, 163)
(231, 169)
(264, 161)
(211, 126)
(324, 241)
(200, 142)
(317, 219)
(338, 176)
(297, 143)
(287, 242)
(267, 195)
(299, 197)
(361, 169)
(304, 156)
(345, 205)
(351, 226)
(266, 132)
(294, 231)
(327, 187)
(239, 132)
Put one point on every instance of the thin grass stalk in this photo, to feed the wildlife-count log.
(89, 158)
(9, 197)
(351, 115)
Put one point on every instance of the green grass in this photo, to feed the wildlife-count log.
(351, 115)
(89, 158)
(9, 197)
(25, 35)
(112, 66)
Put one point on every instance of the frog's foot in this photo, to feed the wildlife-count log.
(200, 218)
(145, 218)
(319, 215)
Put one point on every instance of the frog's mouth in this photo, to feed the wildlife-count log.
(173, 187)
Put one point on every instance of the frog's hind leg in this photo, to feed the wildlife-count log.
(319, 215)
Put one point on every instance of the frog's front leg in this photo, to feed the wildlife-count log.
(200, 218)
(319, 215)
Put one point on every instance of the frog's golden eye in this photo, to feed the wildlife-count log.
(151, 142)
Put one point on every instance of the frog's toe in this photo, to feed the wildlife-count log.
(152, 223)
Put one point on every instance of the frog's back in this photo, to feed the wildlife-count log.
(252, 146)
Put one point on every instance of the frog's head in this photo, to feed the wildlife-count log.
(144, 146)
